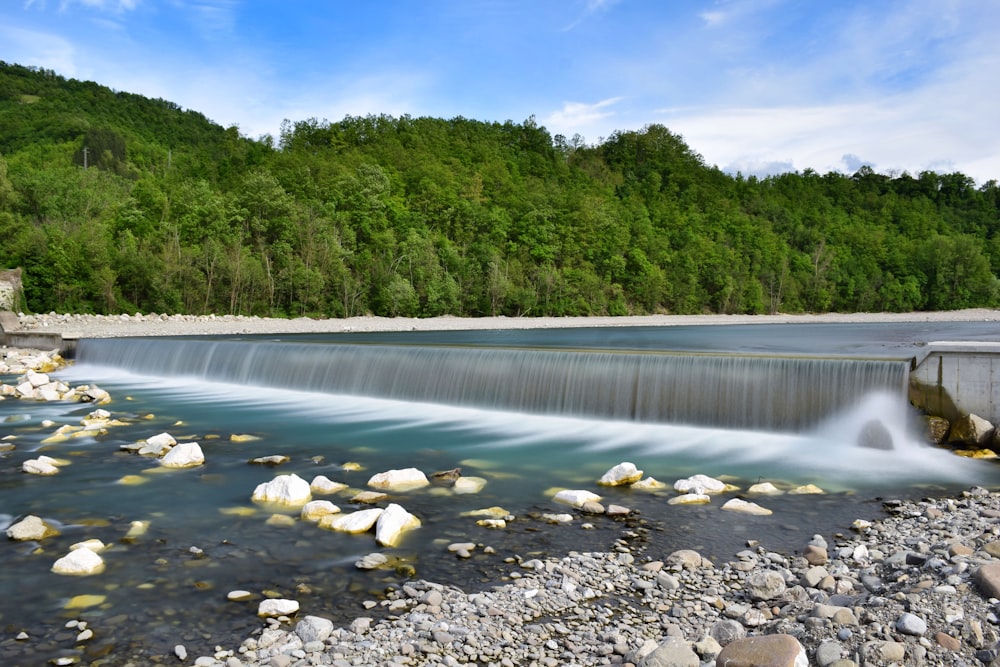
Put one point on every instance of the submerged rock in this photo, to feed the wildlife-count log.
(875, 435)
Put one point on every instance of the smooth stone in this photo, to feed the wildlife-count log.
(620, 475)
(273, 460)
(314, 629)
(315, 510)
(392, 523)
(31, 527)
(79, 562)
(911, 624)
(777, 650)
(324, 485)
(467, 485)
(184, 455)
(239, 596)
(699, 484)
(746, 507)
(764, 489)
(807, 489)
(356, 522)
(988, 579)
(671, 652)
(372, 561)
(85, 601)
(405, 479)
(576, 497)
(39, 467)
(277, 607)
(648, 484)
(283, 490)
(690, 499)
(369, 497)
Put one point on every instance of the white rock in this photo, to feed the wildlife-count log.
(467, 485)
(284, 490)
(621, 474)
(764, 489)
(399, 480)
(648, 484)
(392, 523)
(277, 607)
(161, 441)
(36, 379)
(576, 497)
(324, 485)
(79, 562)
(700, 484)
(39, 466)
(355, 522)
(31, 528)
(690, 499)
(737, 505)
(315, 510)
(184, 455)
(93, 544)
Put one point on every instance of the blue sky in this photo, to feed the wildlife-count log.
(759, 86)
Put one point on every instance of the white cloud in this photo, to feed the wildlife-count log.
(578, 115)
(41, 49)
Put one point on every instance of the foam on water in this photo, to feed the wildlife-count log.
(828, 454)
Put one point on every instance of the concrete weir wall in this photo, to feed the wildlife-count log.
(954, 378)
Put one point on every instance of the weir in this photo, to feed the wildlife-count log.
(784, 393)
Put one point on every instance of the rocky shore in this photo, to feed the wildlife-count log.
(917, 588)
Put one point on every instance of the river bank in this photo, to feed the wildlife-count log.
(109, 326)
(899, 591)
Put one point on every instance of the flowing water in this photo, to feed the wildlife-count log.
(528, 411)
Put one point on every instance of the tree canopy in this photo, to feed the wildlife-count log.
(113, 202)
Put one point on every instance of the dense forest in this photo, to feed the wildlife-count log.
(113, 202)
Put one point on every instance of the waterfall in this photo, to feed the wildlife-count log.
(788, 393)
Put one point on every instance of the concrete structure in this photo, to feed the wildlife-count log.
(953, 378)
(11, 335)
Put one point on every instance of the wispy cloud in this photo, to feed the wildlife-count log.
(42, 49)
(574, 115)
(591, 8)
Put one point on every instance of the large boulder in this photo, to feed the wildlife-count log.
(290, 490)
(875, 435)
(392, 523)
(970, 430)
(405, 479)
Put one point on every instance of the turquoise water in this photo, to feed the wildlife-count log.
(157, 590)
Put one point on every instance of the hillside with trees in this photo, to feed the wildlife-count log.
(113, 202)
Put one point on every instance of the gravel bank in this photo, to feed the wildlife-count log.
(111, 326)
(914, 589)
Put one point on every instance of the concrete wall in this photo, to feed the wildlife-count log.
(956, 378)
